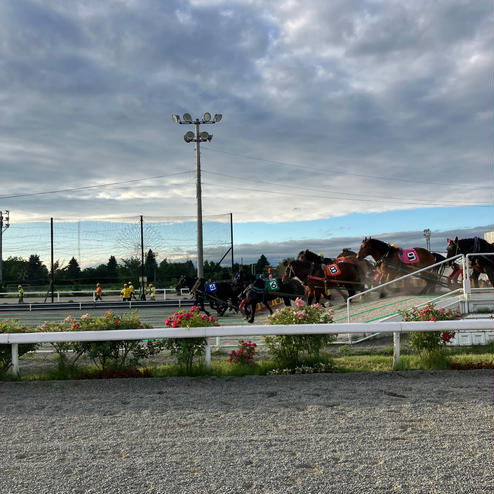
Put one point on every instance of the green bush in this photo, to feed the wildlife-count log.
(429, 346)
(288, 350)
(13, 326)
(429, 341)
(186, 349)
(114, 354)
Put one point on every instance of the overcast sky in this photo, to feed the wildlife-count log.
(329, 108)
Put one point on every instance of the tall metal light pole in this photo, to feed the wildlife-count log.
(427, 235)
(4, 224)
(198, 137)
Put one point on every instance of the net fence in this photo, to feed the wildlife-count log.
(93, 241)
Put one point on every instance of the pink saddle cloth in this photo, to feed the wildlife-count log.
(408, 256)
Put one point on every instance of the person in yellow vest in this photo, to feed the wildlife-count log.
(131, 288)
(126, 293)
(151, 292)
(20, 292)
(99, 292)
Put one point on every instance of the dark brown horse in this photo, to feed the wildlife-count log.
(340, 273)
(477, 246)
(311, 275)
(393, 262)
(369, 271)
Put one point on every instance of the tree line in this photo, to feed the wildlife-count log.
(33, 272)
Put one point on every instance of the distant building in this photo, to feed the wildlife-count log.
(489, 236)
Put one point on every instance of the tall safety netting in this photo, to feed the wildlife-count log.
(92, 241)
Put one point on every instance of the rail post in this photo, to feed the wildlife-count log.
(15, 359)
(208, 354)
(466, 283)
(396, 349)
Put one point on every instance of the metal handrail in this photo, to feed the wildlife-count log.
(409, 275)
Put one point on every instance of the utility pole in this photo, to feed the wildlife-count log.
(4, 224)
(198, 137)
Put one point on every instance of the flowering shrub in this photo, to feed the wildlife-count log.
(13, 326)
(185, 349)
(113, 354)
(244, 354)
(432, 340)
(287, 349)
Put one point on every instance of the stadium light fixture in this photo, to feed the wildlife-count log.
(198, 137)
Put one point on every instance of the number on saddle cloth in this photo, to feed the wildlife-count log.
(272, 286)
(333, 270)
(408, 256)
(211, 287)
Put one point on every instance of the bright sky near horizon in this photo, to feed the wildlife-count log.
(340, 119)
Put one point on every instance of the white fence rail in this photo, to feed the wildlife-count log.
(92, 293)
(15, 339)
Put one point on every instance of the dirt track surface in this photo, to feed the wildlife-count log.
(396, 432)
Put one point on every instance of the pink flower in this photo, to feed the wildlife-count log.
(433, 319)
(299, 302)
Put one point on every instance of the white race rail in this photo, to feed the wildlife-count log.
(396, 328)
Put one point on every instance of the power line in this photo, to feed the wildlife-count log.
(374, 201)
(332, 192)
(93, 186)
(342, 172)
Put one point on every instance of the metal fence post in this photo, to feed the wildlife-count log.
(208, 355)
(396, 349)
(15, 359)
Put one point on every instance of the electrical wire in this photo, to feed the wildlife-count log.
(340, 171)
(94, 186)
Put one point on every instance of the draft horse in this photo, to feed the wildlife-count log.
(389, 261)
(258, 292)
(311, 275)
(477, 246)
(339, 273)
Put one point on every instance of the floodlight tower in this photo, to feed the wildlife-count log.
(4, 224)
(427, 235)
(198, 137)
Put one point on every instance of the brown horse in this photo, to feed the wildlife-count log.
(369, 271)
(393, 262)
(339, 273)
(311, 276)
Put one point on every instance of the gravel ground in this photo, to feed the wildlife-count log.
(396, 432)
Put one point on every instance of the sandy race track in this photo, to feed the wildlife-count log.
(396, 432)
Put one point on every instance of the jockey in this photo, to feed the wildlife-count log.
(270, 273)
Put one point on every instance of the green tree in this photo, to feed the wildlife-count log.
(262, 265)
(15, 270)
(37, 272)
(130, 270)
(112, 269)
(151, 266)
(73, 270)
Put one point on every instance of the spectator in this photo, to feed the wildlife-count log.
(152, 292)
(20, 292)
(99, 292)
(126, 293)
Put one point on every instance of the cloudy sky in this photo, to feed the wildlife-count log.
(340, 118)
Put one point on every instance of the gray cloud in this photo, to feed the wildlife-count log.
(277, 251)
(377, 89)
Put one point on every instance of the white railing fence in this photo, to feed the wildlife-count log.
(15, 339)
